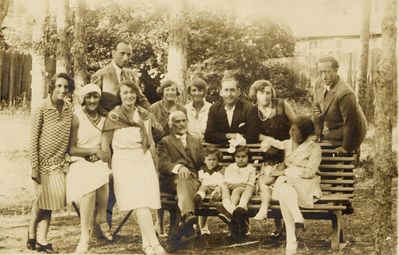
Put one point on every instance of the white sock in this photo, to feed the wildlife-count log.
(228, 205)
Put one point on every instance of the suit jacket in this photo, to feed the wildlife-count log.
(338, 117)
(107, 79)
(171, 152)
(218, 125)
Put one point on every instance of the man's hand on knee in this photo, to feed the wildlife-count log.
(184, 173)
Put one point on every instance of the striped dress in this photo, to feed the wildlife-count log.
(49, 144)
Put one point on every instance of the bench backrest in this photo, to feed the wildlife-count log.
(336, 173)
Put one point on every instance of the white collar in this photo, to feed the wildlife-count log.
(117, 68)
(184, 136)
(231, 110)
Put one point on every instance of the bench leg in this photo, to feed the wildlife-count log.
(76, 208)
(123, 222)
(337, 236)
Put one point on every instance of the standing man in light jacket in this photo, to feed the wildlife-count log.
(110, 77)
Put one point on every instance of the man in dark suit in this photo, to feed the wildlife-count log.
(180, 158)
(229, 117)
(337, 115)
(109, 77)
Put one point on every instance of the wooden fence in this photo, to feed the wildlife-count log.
(15, 76)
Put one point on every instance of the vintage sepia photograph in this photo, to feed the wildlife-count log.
(199, 127)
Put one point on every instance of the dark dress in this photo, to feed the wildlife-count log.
(277, 127)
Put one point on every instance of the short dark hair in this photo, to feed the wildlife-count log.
(166, 84)
(212, 149)
(305, 126)
(332, 60)
(198, 83)
(260, 85)
(71, 82)
(128, 83)
(118, 42)
(243, 148)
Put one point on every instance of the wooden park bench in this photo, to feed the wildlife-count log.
(337, 184)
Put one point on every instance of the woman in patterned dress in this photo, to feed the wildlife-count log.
(88, 176)
(51, 125)
(127, 130)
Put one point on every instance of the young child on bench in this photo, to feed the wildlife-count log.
(210, 176)
(237, 190)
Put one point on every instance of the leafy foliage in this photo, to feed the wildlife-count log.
(216, 43)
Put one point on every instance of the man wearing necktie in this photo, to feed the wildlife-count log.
(180, 158)
(110, 77)
(337, 115)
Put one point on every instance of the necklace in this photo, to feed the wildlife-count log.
(94, 119)
(264, 114)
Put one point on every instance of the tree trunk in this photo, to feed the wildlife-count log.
(79, 47)
(38, 65)
(3, 13)
(384, 240)
(177, 50)
(364, 57)
(63, 43)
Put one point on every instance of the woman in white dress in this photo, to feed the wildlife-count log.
(87, 179)
(127, 131)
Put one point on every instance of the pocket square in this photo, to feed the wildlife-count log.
(241, 124)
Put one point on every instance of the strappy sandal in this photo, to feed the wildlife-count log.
(105, 231)
(31, 243)
(47, 248)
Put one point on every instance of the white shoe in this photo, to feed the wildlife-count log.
(205, 231)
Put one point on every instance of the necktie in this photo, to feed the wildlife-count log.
(183, 141)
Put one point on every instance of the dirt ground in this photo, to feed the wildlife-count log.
(16, 197)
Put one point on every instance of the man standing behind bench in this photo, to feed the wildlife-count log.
(109, 79)
(337, 115)
(180, 158)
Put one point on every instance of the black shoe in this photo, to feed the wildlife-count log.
(48, 248)
(197, 199)
(240, 215)
(189, 220)
(31, 243)
(174, 237)
(223, 214)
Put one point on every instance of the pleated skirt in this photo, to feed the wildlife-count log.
(51, 193)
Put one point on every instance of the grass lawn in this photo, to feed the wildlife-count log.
(16, 195)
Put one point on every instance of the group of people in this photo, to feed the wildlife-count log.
(118, 148)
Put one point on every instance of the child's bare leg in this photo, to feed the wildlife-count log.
(246, 196)
(227, 200)
(202, 191)
(159, 228)
(216, 194)
(265, 196)
(236, 194)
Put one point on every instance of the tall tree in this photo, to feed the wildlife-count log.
(37, 52)
(3, 13)
(79, 45)
(63, 43)
(363, 85)
(384, 166)
(177, 48)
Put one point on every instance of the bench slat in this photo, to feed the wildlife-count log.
(324, 181)
(336, 174)
(337, 166)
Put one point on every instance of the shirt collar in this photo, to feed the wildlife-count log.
(184, 136)
(205, 107)
(232, 109)
(50, 105)
(117, 68)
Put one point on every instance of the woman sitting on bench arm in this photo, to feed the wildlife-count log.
(297, 184)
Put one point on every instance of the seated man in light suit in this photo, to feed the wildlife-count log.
(337, 115)
(109, 77)
(180, 158)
